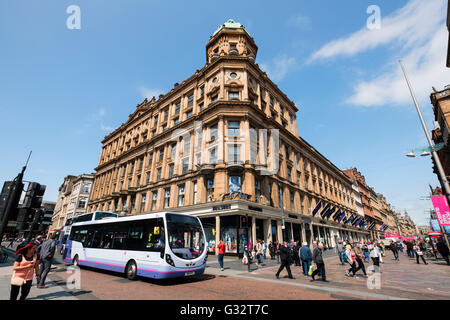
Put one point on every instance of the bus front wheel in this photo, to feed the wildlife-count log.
(75, 261)
(131, 270)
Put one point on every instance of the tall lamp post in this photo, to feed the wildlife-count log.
(441, 172)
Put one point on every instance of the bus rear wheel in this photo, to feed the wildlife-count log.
(131, 270)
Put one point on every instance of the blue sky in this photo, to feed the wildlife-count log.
(62, 90)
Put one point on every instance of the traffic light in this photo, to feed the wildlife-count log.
(33, 197)
(25, 218)
(244, 221)
(10, 190)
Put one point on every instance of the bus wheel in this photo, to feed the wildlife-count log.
(75, 261)
(131, 270)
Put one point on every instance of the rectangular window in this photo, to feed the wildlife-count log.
(147, 179)
(161, 154)
(200, 106)
(233, 128)
(166, 198)
(158, 175)
(181, 195)
(155, 121)
(212, 156)
(195, 192)
(235, 184)
(177, 108)
(138, 180)
(234, 153)
(82, 203)
(271, 102)
(154, 198)
(150, 159)
(129, 183)
(202, 92)
(233, 95)
(190, 100)
(213, 132)
(171, 167)
(187, 145)
(185, 166)
(210, 189)
(166, 114)
(144, 197)
(292, 201)
(188, 114)
(174, 151)
(176, 121)
(215, 98)
(258, 190)
(164, 127)
(86, 188)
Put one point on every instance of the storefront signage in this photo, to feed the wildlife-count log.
(255, 209)
(292, 216)
(442, 210)
(224, 207)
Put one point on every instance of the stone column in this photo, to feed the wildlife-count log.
(279, 232)
(253, 231)
(267, 234)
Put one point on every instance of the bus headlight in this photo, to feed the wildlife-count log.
(169, 260)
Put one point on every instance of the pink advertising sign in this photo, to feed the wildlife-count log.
(442, 210)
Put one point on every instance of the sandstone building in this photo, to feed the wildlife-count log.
(223, 145)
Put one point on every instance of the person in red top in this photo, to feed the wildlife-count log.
(25, 267)
(221, 248)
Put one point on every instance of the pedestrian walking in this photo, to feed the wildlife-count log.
(221, 250)
(277, 251)
(320, 264)
(341, 251)
(419, 248)
(258, 252)
(271, 251)
(10, 245)
(25, 267)
(264, 244)
(409, 249)
(375, 256)
(366, 252)
(443, 250)
(351, 259)
(394, 250)
(306, 257)
(285, 258)
(297, 253)
(359, 253)
(47, 251)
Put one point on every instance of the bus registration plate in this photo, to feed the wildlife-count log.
(189, 273)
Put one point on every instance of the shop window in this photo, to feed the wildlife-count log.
(235, 184)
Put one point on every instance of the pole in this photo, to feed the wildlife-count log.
(280, 194)
(441, 172)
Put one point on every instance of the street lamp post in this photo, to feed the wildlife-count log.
(441, 172)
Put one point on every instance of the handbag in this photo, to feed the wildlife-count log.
(16, 281)
(311, 269)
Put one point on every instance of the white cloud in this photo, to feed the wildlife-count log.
(419, 34)
(299, 21)
(279, 67)
(149, 93)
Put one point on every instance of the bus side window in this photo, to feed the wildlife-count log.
(97, 239)
(135, 240)
(120, 236)
(107, 240)
(89, 238)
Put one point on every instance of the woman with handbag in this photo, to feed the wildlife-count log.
(419, 248)
(26, 264)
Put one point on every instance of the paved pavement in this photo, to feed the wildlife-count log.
(399, 280)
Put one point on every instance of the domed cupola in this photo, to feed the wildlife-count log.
(231, 39)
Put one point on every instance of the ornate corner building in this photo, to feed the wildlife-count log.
(223, 145)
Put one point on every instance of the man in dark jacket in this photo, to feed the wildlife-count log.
(306, 257)
(443, 250)
(296, 253)
(394, 250)
(47, 251)
(318, 260)
(409, 249)
(285, 260)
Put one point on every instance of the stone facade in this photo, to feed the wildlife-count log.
(73, 197)
(224, 145)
